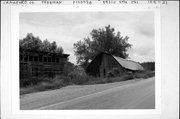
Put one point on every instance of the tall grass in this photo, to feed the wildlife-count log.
(79, 77)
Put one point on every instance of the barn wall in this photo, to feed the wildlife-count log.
(34, 64)
(108, 63)
(104, 63)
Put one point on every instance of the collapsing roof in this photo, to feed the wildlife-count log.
(128, 64)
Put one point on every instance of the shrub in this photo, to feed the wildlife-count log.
(50, 85)
(144, 74)
(127, 77)
(30, 81)
(78, 76)
(61, 78)
(68, 67)
(150, 74)
(110, 74)
(46, 84)
(113, 73)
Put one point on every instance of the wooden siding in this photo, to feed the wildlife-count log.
(108, 63)
(102, 64)
(41, 64)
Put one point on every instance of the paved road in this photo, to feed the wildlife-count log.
(133, 95)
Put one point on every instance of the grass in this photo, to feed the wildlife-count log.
(62, 81)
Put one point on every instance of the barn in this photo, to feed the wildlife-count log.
(104, 62)
(38, 63)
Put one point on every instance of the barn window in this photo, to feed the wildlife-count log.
(57, 60)
(26, 58)
(30, 58)
(35, 58)
(45, 59)
(40, 58)
(49, 59)
(53, 59)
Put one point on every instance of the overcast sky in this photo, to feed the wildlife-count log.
(67, 28)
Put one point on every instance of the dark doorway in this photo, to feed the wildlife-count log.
(104, 72)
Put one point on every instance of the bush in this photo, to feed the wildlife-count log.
(127, 77)
(113, 73)
(78, 76)
(110, 74)
(64, 79)
(50, 85)
(30, 81)
(115, 76)
(47, 84)
(68, 67)
(144, 74)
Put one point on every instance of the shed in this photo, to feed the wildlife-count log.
(104, 62)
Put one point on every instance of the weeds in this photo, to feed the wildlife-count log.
(78, 77)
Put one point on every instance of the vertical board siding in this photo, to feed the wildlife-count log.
(104, 63)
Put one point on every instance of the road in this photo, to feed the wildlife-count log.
(134, 94)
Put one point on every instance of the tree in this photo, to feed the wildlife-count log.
(148, 65)
(53, 47)
(101, 40)
(59, 50)
(46, 46)
(30, 42)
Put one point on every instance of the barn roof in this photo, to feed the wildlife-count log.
(128, 64)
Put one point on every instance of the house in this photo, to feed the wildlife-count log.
(37, 64)
(104, 62)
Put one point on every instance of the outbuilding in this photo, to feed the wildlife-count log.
(38, 63)
(104, 62)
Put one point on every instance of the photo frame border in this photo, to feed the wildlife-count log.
(15, 10)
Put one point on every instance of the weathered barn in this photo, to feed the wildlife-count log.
(41, 63)
(104, 62)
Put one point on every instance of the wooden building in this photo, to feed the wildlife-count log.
(104, 62)
(39, 64)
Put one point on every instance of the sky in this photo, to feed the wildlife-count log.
(66, 28)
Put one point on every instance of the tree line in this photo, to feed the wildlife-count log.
(30, 42)
(149, 66)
